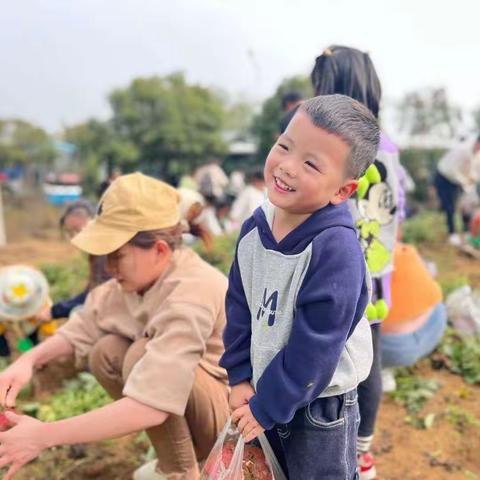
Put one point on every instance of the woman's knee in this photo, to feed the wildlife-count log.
(135, 352)
(107, 355)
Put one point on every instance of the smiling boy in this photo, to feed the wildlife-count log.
(297, 343)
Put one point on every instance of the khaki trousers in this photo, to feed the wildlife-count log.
(179, 442)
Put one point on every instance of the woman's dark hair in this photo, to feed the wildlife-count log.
(80, 207)
(173, 236)
(146, 240)
(347, 71)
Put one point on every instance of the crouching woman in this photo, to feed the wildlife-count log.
(151, 336)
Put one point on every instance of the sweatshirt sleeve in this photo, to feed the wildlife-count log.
(237, 334)
(331, 301)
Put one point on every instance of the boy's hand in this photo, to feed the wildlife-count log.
(240, 395)
(247, 424)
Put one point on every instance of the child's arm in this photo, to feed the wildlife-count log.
(29, 437)
(237, 334)
(329, 305)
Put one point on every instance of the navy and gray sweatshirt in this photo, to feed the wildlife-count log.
(295, 325)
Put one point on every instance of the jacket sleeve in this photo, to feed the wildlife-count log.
(63, 309)
(82, 329)
(331, 301)
(163, 377)
(237, 334)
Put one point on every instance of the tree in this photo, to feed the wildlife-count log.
(173, 125)
(428, 112)
(22, 143)
(97, 144)
(266, 124)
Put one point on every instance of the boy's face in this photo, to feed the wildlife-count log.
(306, 168)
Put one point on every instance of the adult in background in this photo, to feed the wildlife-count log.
(152, 336)
(291, 100)
(458, 170)
(249, 199)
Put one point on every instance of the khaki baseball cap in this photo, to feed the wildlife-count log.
(132, 203)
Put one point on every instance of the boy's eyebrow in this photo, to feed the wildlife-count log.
(284, 135)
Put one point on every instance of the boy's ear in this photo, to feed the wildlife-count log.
(345, 191)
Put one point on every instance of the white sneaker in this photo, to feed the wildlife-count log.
(455, 239)
(147, 472)
(389, 383)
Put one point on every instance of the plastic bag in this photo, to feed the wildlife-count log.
(232, 459)
(463, 307)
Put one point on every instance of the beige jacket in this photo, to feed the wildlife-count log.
(183, 314)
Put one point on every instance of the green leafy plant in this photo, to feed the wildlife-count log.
(67, 279)
(78, 396)
(450, 284)
(462, 355)
(461, 418)
(412, 393)
(221, 254)
(426, 227)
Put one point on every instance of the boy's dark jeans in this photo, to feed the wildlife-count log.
(321, 440)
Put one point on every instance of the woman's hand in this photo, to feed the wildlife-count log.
(22, 443)
(13, 379)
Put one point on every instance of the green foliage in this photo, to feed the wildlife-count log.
(450, 284)
(412, 393)
(67, 279)
(98, 144)
(23, 143)
(221, 254)
(428, 111)
(174, 126)
(80, 395)
(421, 164)
(426, 227)
(161, 125)
(461, 418)
(266, 124)
(463, 355)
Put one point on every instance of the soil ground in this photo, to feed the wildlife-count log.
(449, 450)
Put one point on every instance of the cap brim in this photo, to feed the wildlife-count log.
(98, 239)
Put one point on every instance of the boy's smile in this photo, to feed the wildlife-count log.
(281, 186)
(306, 168)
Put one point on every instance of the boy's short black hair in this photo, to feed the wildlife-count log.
(292, 96)
(352, 122)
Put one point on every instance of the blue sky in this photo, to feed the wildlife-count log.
(60, 58)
